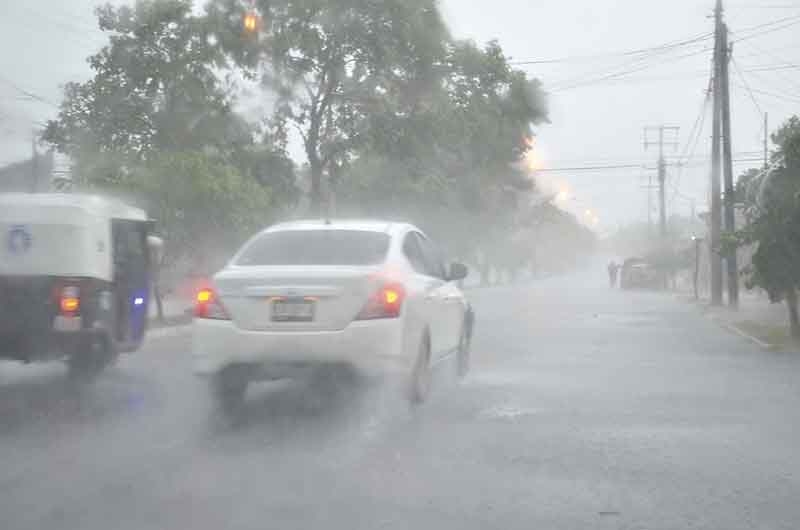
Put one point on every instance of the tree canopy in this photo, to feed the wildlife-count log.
(393, 114)
(773, 214)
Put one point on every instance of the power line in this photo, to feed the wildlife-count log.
(693, 140)
(27, 93)
(633, 63)
(590, 168)
(792, 20)
(784, 97)
(616, 75)
(771, 23)
(753, 6)
(795, 21)
(784, 78)
(747, 87)
(71, 31)
(578, 58)
(629, 166)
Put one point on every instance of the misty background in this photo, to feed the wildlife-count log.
(601, 96)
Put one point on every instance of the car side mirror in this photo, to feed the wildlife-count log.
(458, 271)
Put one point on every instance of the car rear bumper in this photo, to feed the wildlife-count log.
(374, 346)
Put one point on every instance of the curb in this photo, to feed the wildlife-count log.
(741, 333)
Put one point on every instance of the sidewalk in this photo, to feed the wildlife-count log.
(757, 320)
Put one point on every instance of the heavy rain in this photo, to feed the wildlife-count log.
(399, 264)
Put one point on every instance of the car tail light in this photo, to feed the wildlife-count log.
(208, 305)
(385, 302)
(69, 300)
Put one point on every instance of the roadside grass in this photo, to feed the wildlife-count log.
(778, 337)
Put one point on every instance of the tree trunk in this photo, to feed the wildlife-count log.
(794, 320)
(316, 189)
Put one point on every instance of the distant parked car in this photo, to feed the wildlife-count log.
(638, 274)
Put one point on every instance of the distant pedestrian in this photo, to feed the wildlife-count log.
(613, 272)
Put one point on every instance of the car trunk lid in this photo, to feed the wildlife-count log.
(295, 298)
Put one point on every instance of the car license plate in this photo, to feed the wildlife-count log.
(293, 310)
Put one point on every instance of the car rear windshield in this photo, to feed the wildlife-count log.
(316, 247)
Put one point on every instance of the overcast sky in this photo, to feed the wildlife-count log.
(601, 95)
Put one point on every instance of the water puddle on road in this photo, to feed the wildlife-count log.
(498, 379)
(623, 319)
(507, 413)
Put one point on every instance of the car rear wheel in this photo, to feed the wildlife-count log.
(229, 387)
(90, 358)
(463, 357)
(421, 376)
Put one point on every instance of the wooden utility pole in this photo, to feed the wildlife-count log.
(662, 172)
(650, 205)
(766, 140)
(716, 165)
(34, 166)
(731, 258)
(662, 180)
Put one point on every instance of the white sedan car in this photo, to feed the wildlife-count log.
(372, 295)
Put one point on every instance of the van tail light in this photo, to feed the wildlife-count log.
(208, 305)
(69, 301)
(385, 302)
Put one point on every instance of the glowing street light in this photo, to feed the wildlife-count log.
(251, 22)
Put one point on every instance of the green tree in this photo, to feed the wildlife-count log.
(333, 64)
(453, 161)
(774, 224)
(154, 87)
(156, 123)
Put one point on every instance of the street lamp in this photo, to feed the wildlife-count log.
(251, 21)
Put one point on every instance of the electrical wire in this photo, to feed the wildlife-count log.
(578, 58)
(692, 141)
(27, 93)
(621, 74)
(738, 71)
(785, 79)
(74, 33)
(795, 21)
(783, 97)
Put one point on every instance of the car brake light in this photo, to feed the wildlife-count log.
(386, 302)
(70, 301)
(207, 305)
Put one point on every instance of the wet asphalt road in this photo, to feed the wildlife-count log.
(585, 409)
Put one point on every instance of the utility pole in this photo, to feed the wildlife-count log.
(34, 166)
(662, 179)
(727, 160)
(650, 205)
(766, 140)
(716, 165)
(662, 172)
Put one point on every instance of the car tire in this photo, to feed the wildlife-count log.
(90, 359)
(229, 388)
(421, 376)
(464, 347)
